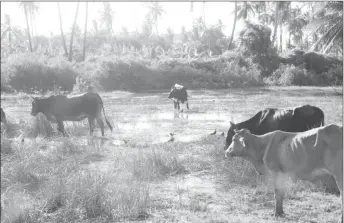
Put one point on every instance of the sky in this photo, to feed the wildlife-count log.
(127, 14)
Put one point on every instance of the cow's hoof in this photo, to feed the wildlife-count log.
(278, 214)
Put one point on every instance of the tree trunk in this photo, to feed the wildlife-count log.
(245, 8)
(276, 23)
(289, 44)
(281, 34)
(61, 29)
(32, 34)
(28, 27)
(315, 39)
(234, 24)
(205, 26)
(156, 27)
(10, 38)
(306, 43)
(70, 58)
(85, 33)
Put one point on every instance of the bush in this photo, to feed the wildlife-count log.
(287, 75)
(129, 74)
(30, 72)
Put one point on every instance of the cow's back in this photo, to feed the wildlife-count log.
(295, 153)
(286, 120)
(273, 119)
(88, 103)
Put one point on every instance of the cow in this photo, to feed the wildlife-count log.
(59, 108)
(179, 94)
(299, 119)
(3, 117)
(302, 155)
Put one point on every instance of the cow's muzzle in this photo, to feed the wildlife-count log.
(228, 153)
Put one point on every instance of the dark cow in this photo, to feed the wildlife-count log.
(179, 94)
(304, 155)
(299, 119)
(59, 108)
(3, 117)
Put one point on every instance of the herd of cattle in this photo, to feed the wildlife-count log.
(294, 142)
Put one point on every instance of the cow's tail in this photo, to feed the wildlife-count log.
(107, 122)
(102, 104)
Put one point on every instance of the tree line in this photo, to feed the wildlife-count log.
(315, 26)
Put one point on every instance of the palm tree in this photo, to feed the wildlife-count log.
(30, 9)
(72, 36)
(95, 27)
(284, 18)
(259, 8)
(155, 11)
(328, 23)
(296, 24)
(62, 34)
(85, 31)
(10, 29)
(234, 23)
(106, 16)
(244, 10)
(276, 22)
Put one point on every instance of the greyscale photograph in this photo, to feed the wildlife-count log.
(167, 111)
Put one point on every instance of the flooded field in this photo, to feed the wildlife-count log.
(187, 180)
(151, 116)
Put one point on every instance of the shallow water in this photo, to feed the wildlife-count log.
(150, 117)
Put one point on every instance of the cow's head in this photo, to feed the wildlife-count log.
(36, 107)
(238, 145)
(230, 134)
(243, 146)
(173, 93)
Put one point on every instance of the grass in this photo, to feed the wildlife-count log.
(135, 174)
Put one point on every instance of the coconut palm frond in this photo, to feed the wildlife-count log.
(329, 35)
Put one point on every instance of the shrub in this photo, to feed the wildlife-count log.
(113, 73)
(287, 75)
(31, 71)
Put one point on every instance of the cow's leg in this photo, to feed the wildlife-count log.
(175, 104)
(60, 127)
(338, 175)
(101, 124)
(91, 124)
(178, 105)
(279, 193)
(187, 105)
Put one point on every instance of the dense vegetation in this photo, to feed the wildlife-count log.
(199, 58)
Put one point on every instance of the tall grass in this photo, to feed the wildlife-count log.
(50, 176)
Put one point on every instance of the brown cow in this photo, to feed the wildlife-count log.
(301, 155)
(59, 108)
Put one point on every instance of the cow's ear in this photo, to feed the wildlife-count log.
(242, 141)
(33, 98)
(231, 124)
